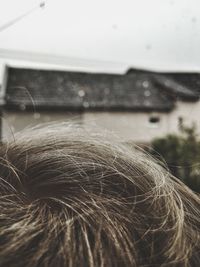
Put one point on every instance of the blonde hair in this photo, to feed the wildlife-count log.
(70, 197)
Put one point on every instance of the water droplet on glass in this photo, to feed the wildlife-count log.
(22, 106)
(36, 116)
(86, 104)
(167, 83)
(81, 93)
(146, 103)
(92, 104)
(60, 90)
(107, 91)
(148, 47)
(147, 93)
(47, 118)
(194, 19)
(145, 84)
(60, 79)
(42, 4)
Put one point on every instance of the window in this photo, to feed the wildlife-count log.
(154, 121)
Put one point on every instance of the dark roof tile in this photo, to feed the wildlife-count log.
(136, 90)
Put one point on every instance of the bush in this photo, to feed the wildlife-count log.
(181, 153)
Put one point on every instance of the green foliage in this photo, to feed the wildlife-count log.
(181, 153)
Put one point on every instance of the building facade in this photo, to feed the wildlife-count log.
(138, 106)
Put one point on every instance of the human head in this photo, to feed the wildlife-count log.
(73, 197)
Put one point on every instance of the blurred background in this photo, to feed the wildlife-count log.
(131, 66)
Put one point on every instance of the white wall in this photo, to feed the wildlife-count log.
(190, 112)
(129, 125)
(16, 121)
(136, 126)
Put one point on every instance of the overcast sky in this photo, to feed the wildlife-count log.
(155, 34)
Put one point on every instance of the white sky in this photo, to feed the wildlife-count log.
(155, 34)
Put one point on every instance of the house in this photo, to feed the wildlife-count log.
(138, 105)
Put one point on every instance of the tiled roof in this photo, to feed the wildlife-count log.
(189, 80)
(138, 91)
(174, 87)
